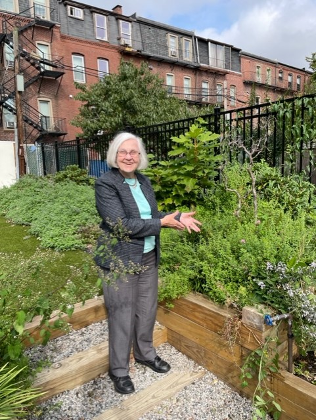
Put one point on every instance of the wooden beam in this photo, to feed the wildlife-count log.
(144, 401)
(81, 367)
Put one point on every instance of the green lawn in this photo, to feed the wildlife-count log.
(26, 268)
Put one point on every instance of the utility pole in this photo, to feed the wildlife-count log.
(18, 102)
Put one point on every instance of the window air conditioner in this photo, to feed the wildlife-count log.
(10, 64)
(173, 53)
(204, 98)
(186, 96)
(9, 124)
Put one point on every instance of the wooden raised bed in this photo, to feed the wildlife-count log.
(195, 325)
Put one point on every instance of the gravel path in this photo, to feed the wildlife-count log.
(206, 398)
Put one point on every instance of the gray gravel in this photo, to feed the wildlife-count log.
(206, 398)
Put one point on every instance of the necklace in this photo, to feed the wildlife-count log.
(127, 180)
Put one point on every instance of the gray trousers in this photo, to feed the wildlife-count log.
(132, 306)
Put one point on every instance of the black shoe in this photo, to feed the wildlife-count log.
(158, 365)
(122, 384)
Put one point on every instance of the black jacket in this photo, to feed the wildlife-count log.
(115, 203)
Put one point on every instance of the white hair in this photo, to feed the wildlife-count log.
(116, 143)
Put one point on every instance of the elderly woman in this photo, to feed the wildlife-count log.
(124, 196)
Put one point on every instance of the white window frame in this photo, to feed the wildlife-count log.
(298, 83)
(205, 91)
(173, 46)
(268, 72)
(75, 12)
(8, 56)
(8, 117)
(187, 49)
(102, 73)
(187, 87)
(170, 86)
(79, 69)
(41, 9)
(216, 55)
(290, 81)
(126, 33)
(5, 6)
(258, 74)
(100, 26)
(219, 93)
(47, 124)
(280, 74)
(42, 54)
(257, 100)
(232, 95)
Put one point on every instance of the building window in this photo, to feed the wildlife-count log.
(216, 55)
(268, 76)
(8, 56)
(46, 119)
(258, 74)
(280, 75)
(232, 95)
(298, 83)
(8, 5)
(43, 51)
(75, 12)
(78, 68)
(205, 91)
(257, 100)
(219, 93)
(170, 83)
(8, 117)
(41, 9)
(290, 81)
(173, 45)
(100, 27)
(103, 67)
(187, 87)
(187, 49)
(126, 33)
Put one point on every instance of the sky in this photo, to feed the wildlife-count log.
(282, 30)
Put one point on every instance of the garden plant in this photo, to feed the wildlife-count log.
(253, 249)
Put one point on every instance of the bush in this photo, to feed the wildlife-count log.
(61, 214)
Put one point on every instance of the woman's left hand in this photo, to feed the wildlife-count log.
(189, 222)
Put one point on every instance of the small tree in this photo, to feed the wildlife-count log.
(132, 97)
(190, 170)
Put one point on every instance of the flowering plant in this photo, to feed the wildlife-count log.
(290, 288)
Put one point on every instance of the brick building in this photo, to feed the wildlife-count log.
(59, 42)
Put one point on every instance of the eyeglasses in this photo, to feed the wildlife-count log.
(132, 153)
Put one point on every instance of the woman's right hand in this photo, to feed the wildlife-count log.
(170, 221)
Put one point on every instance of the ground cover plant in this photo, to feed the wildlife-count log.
(256, 245)
(41, 273)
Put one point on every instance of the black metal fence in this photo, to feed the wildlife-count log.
(284, 131)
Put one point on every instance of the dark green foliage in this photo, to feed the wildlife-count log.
(75, 174)
(62, 214)
(190, 170)
(134, 96)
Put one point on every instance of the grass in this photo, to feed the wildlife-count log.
(38, 272)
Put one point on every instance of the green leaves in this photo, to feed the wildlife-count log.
(190, 169)
(132, 97)
(15, 396)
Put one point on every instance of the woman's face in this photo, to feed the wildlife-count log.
(127, 158)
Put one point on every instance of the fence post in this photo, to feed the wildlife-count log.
(217, 116)
(43, 158)
(79, 153)
(57, 157)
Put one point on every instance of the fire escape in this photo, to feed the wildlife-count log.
(34, 65)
